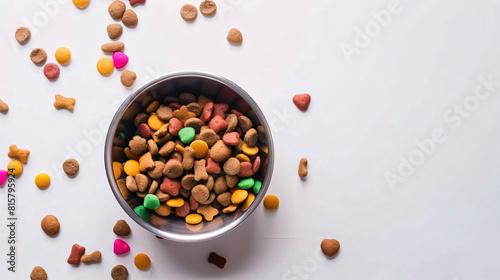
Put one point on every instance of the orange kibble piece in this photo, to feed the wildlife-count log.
(117, 169)
(131, 168)
(164, 210)
(142, 261)
(242, 158)
(200, 148)
(248, 202)
(251, 151)
(271, 202)
(194, 219)
(154, 122)
(239, 196)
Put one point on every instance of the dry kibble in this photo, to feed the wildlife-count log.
(232, 166)
(3, 106)
(271, 202)
(76, 254)
(119, 272)
(224, 199)
(208, 7)
(173, 168)
(50, 225)
(71, 167)
(23, 34)
(330, 247)
(19, 154)
(303, 167)
(116, 9)
(113, 47)
(251, 137)
(217, 260)
(129, 18)
(189, 12)
(207, 211)
(188, 159)
(38, 273)
(131, 184)
(128, 78)
(220, 152)
(114, 31)
(121, 228)
(146, 162)
(234, 36)
(94, 257)
(200, 171)
(200, 193)
(38, 56)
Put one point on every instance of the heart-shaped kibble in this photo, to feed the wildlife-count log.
(302, 101)
(231, 138)
(134, 2)
(3, 176)
(120, 60)
(330, 247)
(120, 247)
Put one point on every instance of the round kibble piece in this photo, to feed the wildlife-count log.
(194, 219)
(23, 34)
(234, 36)
(38, 56)
(121, 228)
(239, 196)
(189, 12)
(50, 225)
(208, 7)
(51, 71)
(173, 169)
(142, 261)
(114, 30)
(105, 66)
(119, 272)
(128, 78)
(71, 167)
(200, 148)
(151, 202)
(232, 166)
(116, 9)
(200, 193)
(271, 202)
(42, 180)
(131, 167)
(81, 3)
(15, 168)
(63, 55)
(129, 18)
(187, 134)
(330, 247)
(38, 273)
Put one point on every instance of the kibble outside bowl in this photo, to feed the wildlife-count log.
(220, 90)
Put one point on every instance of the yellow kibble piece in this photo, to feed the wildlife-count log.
(242, 158)
(175, 202)
(105, 66)
(200, 148)
(81, 3)
(248, 202)
(15, 168)
(180, 149)
(271, 202)
(265, 150)
(194, 219)
(42, 180)
(164, 210)
(117, 169)
(131, 167)
(250, 151)
(239, 196)
(142, 261)
(230, 209)
(63, 55)
(154, 122)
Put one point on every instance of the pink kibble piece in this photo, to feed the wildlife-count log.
(3, 176)
(217, 124)
(212, 166)
(120, 247)
(175, 125)
(120, 60)
(302, 101)
(245, 170)
(256, 165)
(231, 138)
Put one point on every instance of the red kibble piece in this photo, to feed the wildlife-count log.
(220, 110)
(51, 71)
(174, 106)
(76, 254)
(219, 261)
(134, 2)
(144, 130)
(236, 112)
(231, 139)
(256, 165)
(175, 125)
(193, 203)
(212, 166)
(217, 124)
(206, 113)
(183, 211)
(302, 101)
(170, 186)
(245, 170)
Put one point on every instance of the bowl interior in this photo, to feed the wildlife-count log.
(122, 129)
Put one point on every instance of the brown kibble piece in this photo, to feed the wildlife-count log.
(119, 272)
(195, 108)
(38, 56)
(153, 147)
(121, 228)
(232, 122)
(38, 273)
(220, 185)
(122, 187)
(167, 149)
(164, 113)
(188, 158)
(113, 47)
(232, 166)
(129, 18)
(194, 123)
(200, 193)
(94, 257)
(173, 169)
(251, 137)
(114, 31)
(303, 167)
(207, 211)
(50, 225)
(64, 102)
(189, 12)
(146, 162)
(3, 106)
(244, 123)
(138, 145)
(142, 182)
(183, 114)
(200, 171)
(23, 34)
(128, 78)
(131, 184)
(208, 7)
(186, 98)
(157, 171)
(188, 182)
(224, 199)
(71, 167)
(234, 36)
(220, 151)
(232, 180)
(116, 9)
(19, 154)
(330, 247)
(209, 136)
(217, 260)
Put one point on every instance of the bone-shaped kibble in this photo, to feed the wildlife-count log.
(63, 102)
(19, 154)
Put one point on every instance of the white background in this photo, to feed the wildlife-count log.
(368, 110)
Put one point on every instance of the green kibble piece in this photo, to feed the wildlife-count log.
(151, 202)
(143, 212)
(187, 135)
(256, 187)
(121, 135)
(246, 183)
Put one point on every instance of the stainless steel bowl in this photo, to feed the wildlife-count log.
(221, 90)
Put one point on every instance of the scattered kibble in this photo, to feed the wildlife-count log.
(121, 228)
(330, 247)
(303, 167)
(105, 66)
(15, 168)
(116, 9)
(42, 180)
(76, 254)
(119, 60)
(94, 257)
(128, 78)
(113, 47)
(50, 225)
(217, 260)
(120, 247)
(64, 102)
(302, 101)
(81, 3)
(38, 56)
(51, 71)
(38, 273)
(189, 12)
(119, 272)
(129, 18)
(234, 36)
(135, 2)
(19, 154)
(114, 31)
(63, 55)
(71, 167)
(271, 202)
(208, 7)
(23, 34)
(142, 261)
(3, 106)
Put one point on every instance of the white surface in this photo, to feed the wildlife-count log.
(440, 223)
